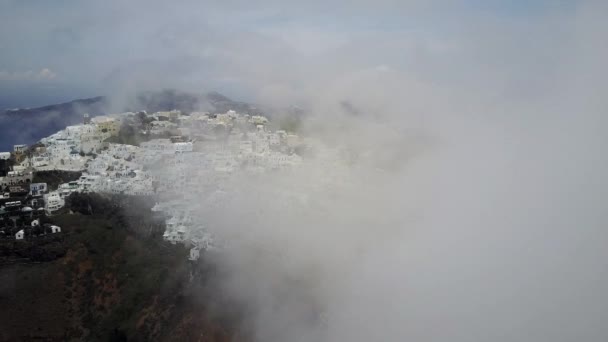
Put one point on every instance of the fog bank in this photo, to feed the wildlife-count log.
(454, 189)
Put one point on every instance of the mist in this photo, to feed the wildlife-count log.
(455, 189)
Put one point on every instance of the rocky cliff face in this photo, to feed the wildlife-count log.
(109, 278)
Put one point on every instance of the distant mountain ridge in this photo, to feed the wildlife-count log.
(26, 126)
(64, 107)
(169, 99)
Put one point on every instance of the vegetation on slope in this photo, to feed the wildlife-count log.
(54, 178)
(113, 279)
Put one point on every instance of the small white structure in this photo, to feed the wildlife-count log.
(38, 189)
(16, 178)
(171, 237)
(195, 253)
(183, 147)
(35, 223)
(53, 201)
(20, 235)
(55, 229)
(40, 161)
(258, 120)
(5, 155)
(19, 148)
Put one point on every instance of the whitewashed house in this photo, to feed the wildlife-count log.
(16, 177)
(53, 201)
(92, 142)
(40, 161)
(195, 253)
(246, 146)
(274, 139)
(19, 148)
(158, 145)
(38, 189)
(182, 147)
(258, 120)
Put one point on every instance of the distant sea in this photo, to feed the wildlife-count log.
(24, 95)
(27, 95)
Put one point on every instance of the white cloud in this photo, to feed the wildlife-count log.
(496, 233)
(44, 74)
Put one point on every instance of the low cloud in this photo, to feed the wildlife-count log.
(460, 195)
(44, 74)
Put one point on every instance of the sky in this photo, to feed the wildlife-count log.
(475, 210)
(67, 48)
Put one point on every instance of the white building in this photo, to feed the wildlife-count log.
(40, 161)
(182, 147)
(173, 171)
(38, 189)
(92, 143)
(195, 253)
(16, 178)
(20, 235)
(158, 145)
(258, 120)
(53, 201)
(19, 148)
(274, 139)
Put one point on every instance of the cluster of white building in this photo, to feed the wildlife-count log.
(193, 173)
(20, 174)
(70, 148)
(53, 229)
(191, 167)
(25, 202)
(16, 177)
